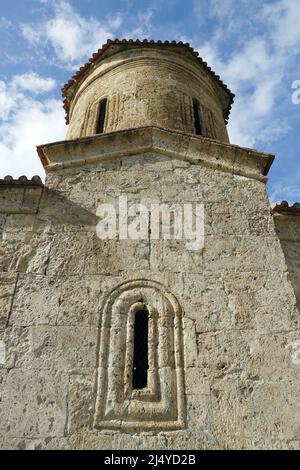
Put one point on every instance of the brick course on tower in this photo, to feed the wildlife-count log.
(221, 324)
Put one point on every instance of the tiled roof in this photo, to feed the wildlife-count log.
(285, 207)
(22, 181)
(145, 43)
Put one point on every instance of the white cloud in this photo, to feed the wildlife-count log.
(33, 82)
(283, 17)
(256, 69)
(115, 22)
(143, 30)
(26, 122)
(287, 192)
(5, 23)
(72, 36)
(31, 34)
(255, 77)
(221, 8)
(273, 132)
(7, 101)
(12, 95)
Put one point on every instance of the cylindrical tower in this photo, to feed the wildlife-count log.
(130, 84)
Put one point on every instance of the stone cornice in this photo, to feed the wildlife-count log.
(196, 150)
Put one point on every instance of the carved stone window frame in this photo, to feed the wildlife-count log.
(160, 405)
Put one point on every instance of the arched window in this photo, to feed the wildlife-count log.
(101, 116)
(140, 351)
(140, 379)
(197, 122)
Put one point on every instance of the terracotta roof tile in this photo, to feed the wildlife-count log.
(285, 207)
(148, 43)
(21, 181)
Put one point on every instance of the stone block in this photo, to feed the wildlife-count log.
(81, 402)
(58, 300)
(51, 347)
(34, 404)
(7, 288)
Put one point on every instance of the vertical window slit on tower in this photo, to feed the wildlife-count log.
(140, 351)
(101, 116)
(197, 122)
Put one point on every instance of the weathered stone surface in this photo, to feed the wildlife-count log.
(3, 377)
(19, 200)
(33, 404)
(7, 443)
(2, 352)
(51, 347)
(288, 230)
(25, 253)
(223, 323)
(2, 223)
(7, 289)
(81, 400)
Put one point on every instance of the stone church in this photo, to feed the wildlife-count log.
(143, 343)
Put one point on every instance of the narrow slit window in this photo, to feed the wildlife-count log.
(140, 352)
(101, 116)
(197, 122)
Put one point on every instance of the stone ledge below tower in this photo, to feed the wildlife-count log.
(178, 145)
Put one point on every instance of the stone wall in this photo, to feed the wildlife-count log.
(236, 309)
(288, 229)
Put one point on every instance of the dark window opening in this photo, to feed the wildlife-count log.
(197, 122)
(140, 352)
(101, 116)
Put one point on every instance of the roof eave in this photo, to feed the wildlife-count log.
(148, 43)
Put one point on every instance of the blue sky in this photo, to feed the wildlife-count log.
(253, 45)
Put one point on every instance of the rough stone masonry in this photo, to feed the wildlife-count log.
(148, 120)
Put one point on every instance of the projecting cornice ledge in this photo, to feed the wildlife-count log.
(196, 150)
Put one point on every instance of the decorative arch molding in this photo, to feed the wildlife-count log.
(161, 404)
